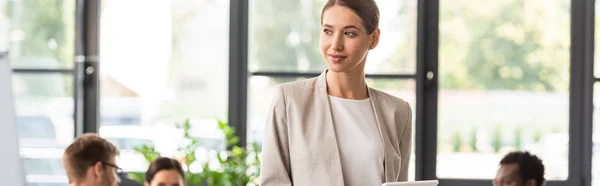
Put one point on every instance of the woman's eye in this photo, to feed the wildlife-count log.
(350, 34)
(328, 32)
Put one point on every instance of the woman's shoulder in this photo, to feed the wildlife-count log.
(389, 100)
(298, 86)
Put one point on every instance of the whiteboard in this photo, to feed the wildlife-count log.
(11, 172)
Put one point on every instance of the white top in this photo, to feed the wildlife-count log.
(359, 141)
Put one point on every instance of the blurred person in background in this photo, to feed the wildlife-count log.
(165, 172)
(90, 161)
(520, 169)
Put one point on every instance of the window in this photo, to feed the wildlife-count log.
(43, 166)
(36, 127)
(284, 37)
(39, 35)
(504, 85)
(161, 65)
(45, 117)
(130, 143)
(44, 109)
(502, 73)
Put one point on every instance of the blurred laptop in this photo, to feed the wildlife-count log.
(413, 183)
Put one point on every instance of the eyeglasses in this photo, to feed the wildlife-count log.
(118, 169)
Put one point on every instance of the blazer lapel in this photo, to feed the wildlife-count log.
(391, 159)
(336, 170)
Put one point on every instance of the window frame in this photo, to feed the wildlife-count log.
(86, 93)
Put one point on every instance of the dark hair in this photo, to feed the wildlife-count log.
(365, 9)
(530, 166)
(160, 164)
(87, 150)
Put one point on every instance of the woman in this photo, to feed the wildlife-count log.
(165, 172)
(334, 129)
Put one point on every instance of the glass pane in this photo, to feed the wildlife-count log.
(44, 107)
(4, 26)
(147, 90)
(284, 36)
(41, 33)
(260, 96)
(43, 166)
(504, 82)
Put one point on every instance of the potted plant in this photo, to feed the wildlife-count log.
(236, 165)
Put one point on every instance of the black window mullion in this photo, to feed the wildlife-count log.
(238, 69)
(581, 92)
(87, 97)
(427, 90)
(43, 71)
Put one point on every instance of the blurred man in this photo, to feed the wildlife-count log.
(520, 169)
(90, 161)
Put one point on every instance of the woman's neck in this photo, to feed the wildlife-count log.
(78, 184)
(348, 85)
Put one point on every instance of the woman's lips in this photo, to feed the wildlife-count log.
(336, 58)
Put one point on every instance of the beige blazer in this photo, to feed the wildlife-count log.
(300, 147)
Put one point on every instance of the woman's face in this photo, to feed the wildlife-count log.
(169, 177)
(344, 40)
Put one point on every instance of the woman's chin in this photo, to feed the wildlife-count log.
(345, 66)
(335, 68)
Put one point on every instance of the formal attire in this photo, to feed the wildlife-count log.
(304, 143)
(359, 142)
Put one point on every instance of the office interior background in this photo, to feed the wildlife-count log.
(484, 77)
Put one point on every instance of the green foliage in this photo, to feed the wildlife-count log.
(292, 29)
(189, 152)
(524, 49)
(150, 154)
(236, 166)
(48, 38)
(557, 128)
(48, 27)
(519, 138)
(537, 136)
(137, 176)
(497, 138)
(473, 141)
(456, 141)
